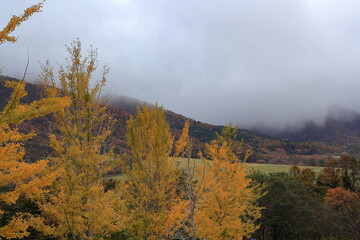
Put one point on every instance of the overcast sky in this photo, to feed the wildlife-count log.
(248, 62)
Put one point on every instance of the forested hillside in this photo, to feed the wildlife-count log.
(335, 130)
(265, 149)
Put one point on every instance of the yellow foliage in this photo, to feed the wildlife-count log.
(183, 144)
(18, 225)
(226, 208)
(15, 21)
(16, 175)
(154, 206)
(78, 206)
(228, 135)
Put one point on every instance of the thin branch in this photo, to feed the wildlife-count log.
(27, 64)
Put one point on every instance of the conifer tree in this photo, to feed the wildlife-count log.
(78, 206)
(226, 208)
(155, 207)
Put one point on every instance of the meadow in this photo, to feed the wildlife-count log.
(265, 168)
(273, 168)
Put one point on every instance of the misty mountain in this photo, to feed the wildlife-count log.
(341, 127)
(266, 149)
(126, 103)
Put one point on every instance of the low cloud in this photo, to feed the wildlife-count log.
(275, 63)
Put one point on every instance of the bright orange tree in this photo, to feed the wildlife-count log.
(345, 206)
(155, 208)
(226, 208)
(17, 176)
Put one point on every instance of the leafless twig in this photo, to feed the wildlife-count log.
(27, 64)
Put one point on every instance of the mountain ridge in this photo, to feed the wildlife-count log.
(340, 127)
(266, 149)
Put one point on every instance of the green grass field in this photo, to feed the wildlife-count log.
(266, 168)
(272, 168)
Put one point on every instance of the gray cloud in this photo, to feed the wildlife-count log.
(275, 63)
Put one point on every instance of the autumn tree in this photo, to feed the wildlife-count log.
(189, 183)
(342, 172)
(17, 177)
(345, 211)
(331, 175)
(155, 207)
(78, 207)
(228, 135)
(306, 175)
(295, 170)
(226, 209)
(16, 21)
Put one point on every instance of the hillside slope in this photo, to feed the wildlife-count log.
(333, 132)
(265, 149)
(339, 129)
